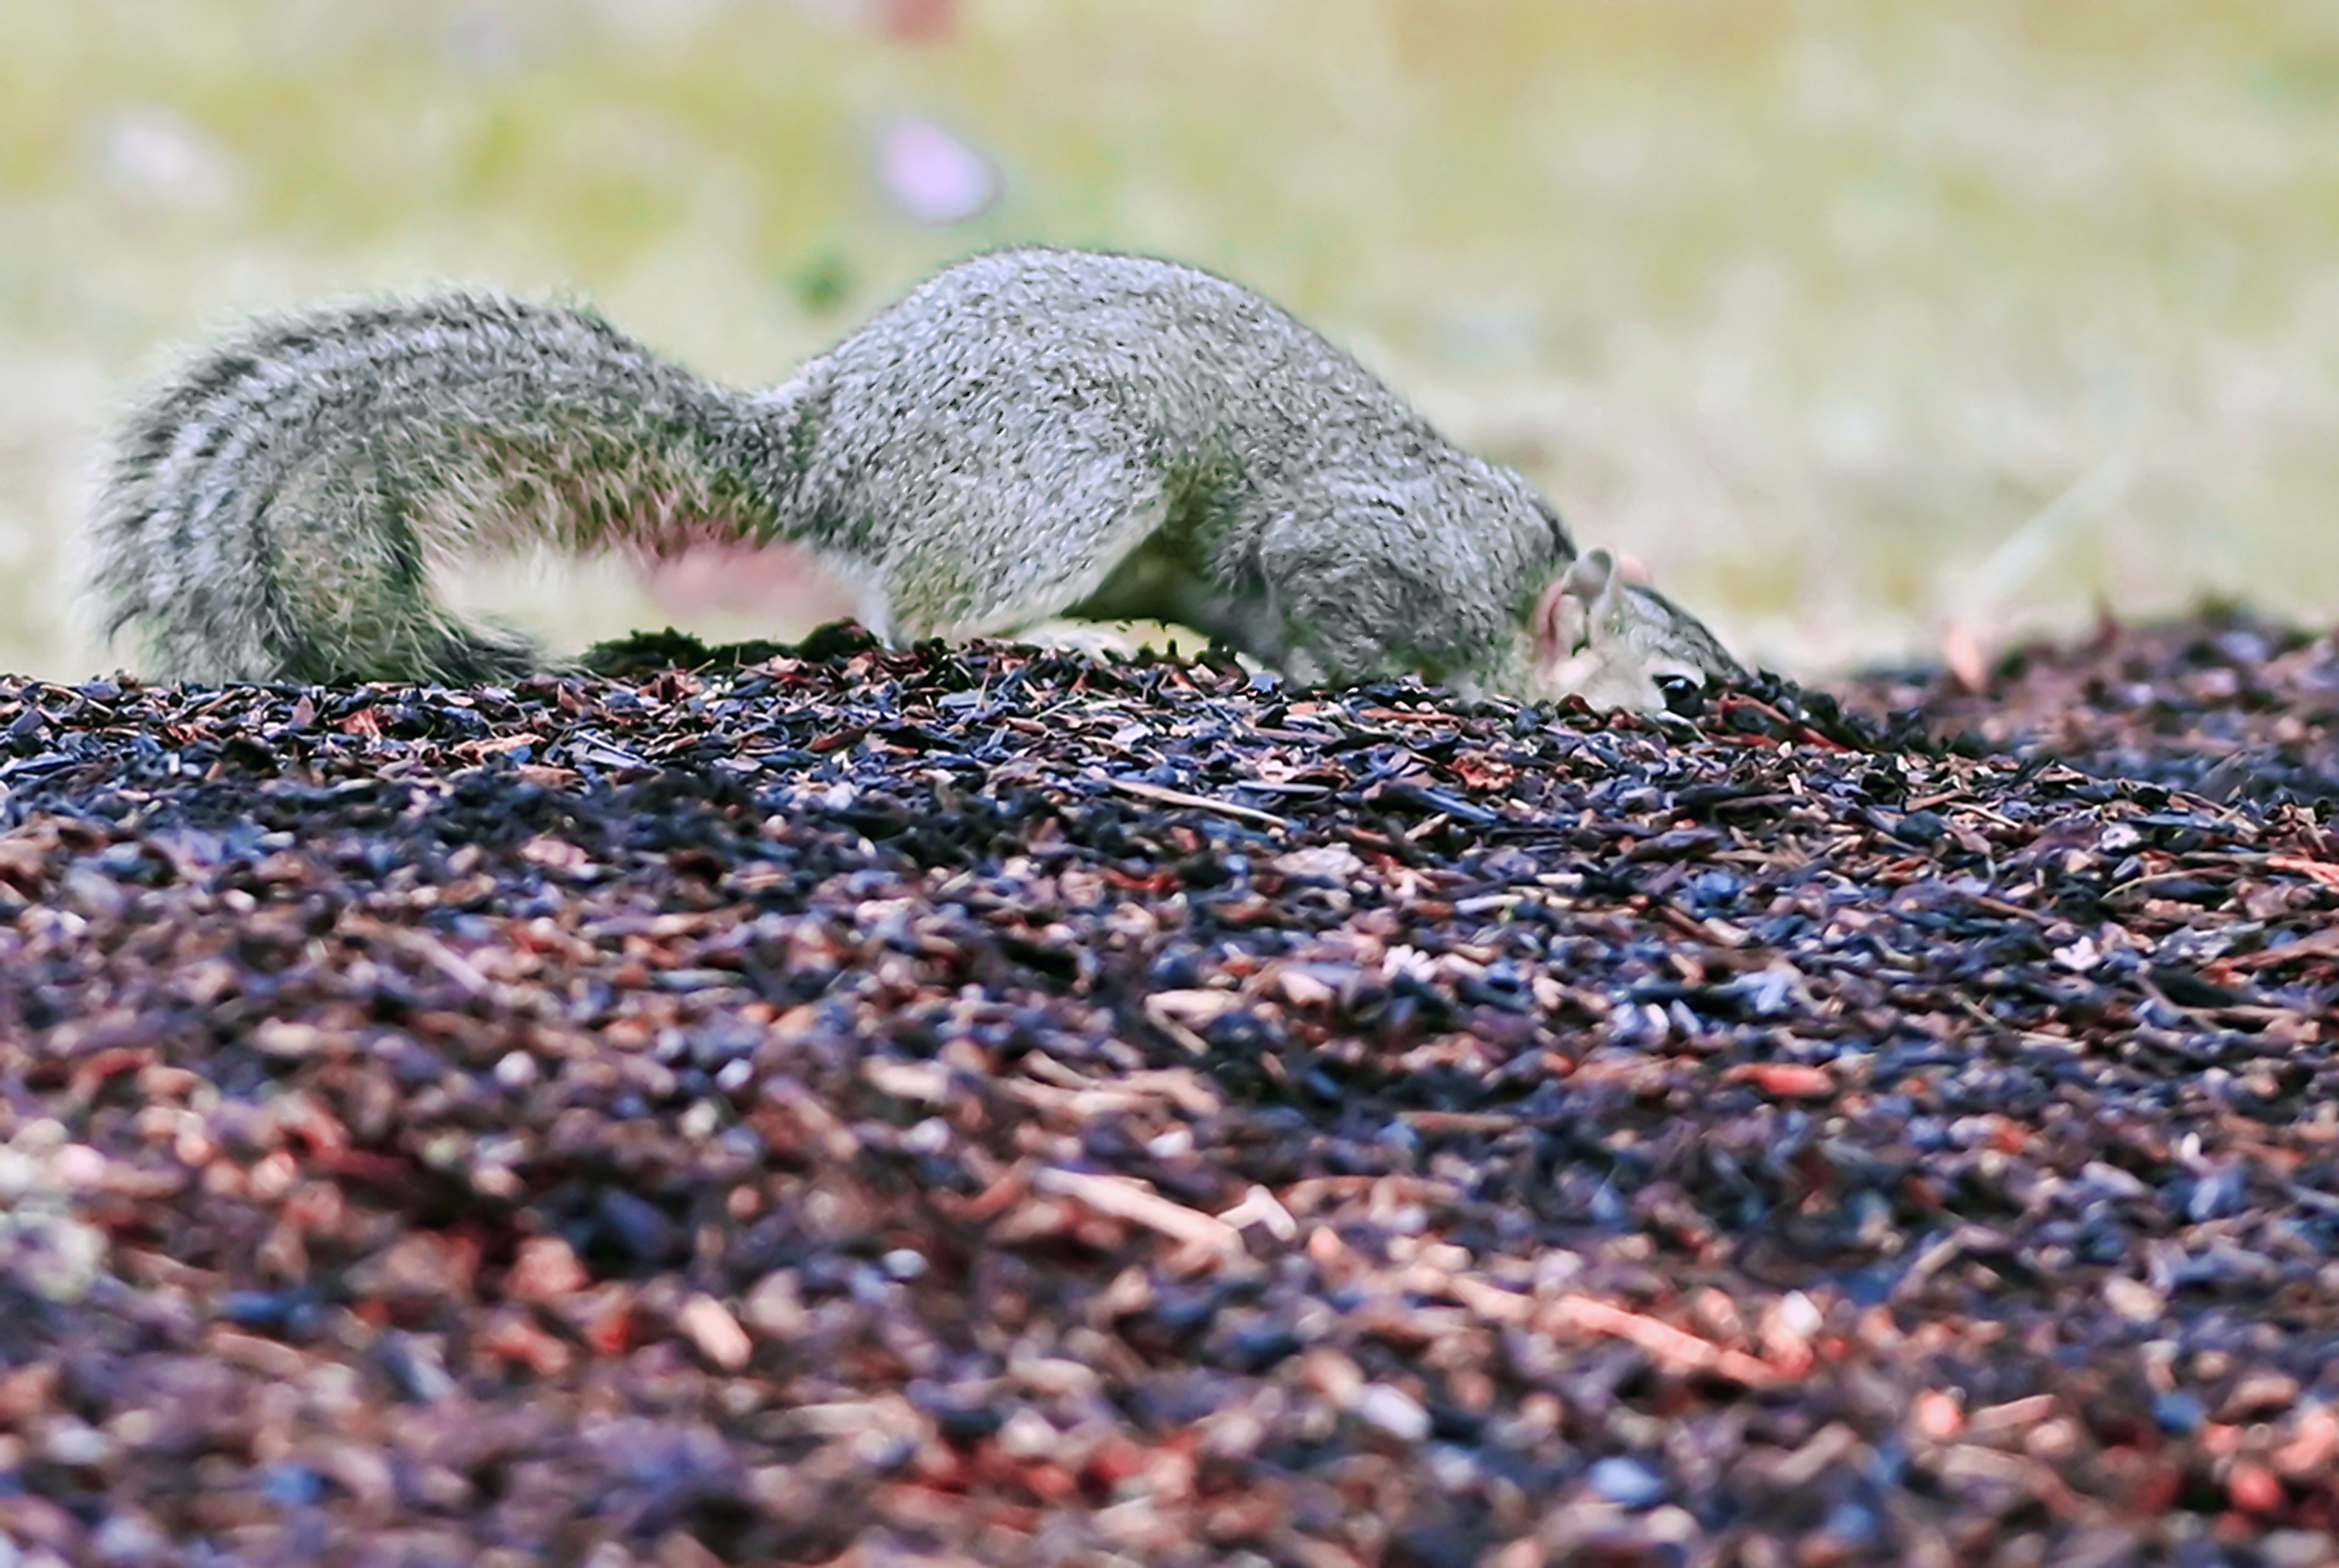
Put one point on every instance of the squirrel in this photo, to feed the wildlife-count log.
(1030, 434)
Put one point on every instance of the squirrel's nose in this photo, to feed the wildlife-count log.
(1683, 695)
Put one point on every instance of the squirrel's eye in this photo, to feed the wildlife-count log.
(1683, 695)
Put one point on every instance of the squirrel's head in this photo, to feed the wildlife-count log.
(1620, 645)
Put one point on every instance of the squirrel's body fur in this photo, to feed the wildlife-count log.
(1029, 434)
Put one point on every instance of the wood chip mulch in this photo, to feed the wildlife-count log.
(980, 1105)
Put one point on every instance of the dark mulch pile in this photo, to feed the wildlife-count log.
(2224, 704)
(985, 1106)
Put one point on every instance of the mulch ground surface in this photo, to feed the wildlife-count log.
(988, 1106)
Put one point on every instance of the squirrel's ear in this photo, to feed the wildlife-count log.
(1567, 611)
(1607, 608)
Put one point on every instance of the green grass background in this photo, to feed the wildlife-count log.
(1847, 317)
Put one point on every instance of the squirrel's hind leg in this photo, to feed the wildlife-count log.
(1008, 551)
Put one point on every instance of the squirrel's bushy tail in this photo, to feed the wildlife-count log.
(275, 509)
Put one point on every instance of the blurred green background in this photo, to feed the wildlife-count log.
(1849, 319)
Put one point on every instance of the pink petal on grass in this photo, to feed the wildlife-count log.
(933, 175)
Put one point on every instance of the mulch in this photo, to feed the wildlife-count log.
(981, 1105)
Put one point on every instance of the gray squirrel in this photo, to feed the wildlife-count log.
(1030, 434)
